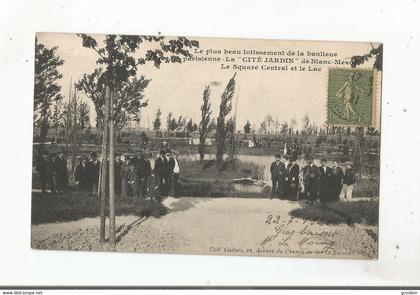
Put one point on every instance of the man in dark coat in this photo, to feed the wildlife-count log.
(293, 179)
(324, 181)
(144, 170)
(61, 173)
(125, 169)
(277, 170)
(311, 180)
(117, 174)
(53, 174)
(336, 183)
(169, 167)
(43, 168)
(161, 164)
(81, 175)
(94, 167)
(132, 180)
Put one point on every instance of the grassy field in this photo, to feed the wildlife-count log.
(71, 206)
(363, 212)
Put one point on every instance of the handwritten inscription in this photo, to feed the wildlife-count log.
(293, 237)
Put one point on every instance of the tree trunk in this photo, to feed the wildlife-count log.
(104, 169)
(111, 172)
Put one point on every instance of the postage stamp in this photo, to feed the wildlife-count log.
(350, 97)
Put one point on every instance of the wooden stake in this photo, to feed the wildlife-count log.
(111, 172)
(104, 166)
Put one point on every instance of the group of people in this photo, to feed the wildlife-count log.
(133, 174)
(52, 170)
(314, 183)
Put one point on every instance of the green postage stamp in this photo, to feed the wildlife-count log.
(351, 97)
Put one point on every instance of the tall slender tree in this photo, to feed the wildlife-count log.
(120, 66)
(205, 122)
(157, 122)
(224, 111)
(46, 89)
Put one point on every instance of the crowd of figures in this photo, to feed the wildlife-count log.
(133, 174)
(313, 183)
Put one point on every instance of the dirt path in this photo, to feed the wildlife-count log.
(234, 226)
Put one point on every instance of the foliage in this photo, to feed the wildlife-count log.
(376, 53)
(83, 115)
(224, 110)
(247, 127)
(284, 127)
(120, 71)
(128, 99)
(46, 89)
(117, 53)
(205, 122)
(171, 123)
(57, 113)
(191, 126)
(157, 122)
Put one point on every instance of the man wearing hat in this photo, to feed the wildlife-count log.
(125, 169)
(61, 173)
(311, 180)
(81, 175)
(277, 170)
(293, 178)
(161, 164)
(348, 182)
(144, 170)
(117, 173)
(93, 171)
(174, 166)
(53, 173)
(324, 181)
(132, 180)
(336, 183)
(43, 168)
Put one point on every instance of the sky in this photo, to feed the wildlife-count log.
(178, 88)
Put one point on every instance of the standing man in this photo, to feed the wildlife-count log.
(348, 182)
(324, 181)
(61, 174)
(277, 170)
(43, 167)
(117, 174)
(159, 170)
(311, 180)
(175, 173)
(132, 180)
(293, 179)
(125, 169)
(81, 175)
(336, 181)
(169, 168)
(144, 170)
(93, 166)
(53, 174)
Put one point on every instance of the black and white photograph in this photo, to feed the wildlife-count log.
(215, 146)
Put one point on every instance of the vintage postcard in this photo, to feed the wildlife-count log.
(210, 146)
